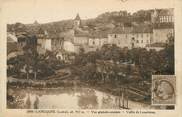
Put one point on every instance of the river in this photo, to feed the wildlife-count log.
(67, 98)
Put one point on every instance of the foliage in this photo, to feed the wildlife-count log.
(31, 62)
(138, 61)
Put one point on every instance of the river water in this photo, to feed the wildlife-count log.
(68, 98)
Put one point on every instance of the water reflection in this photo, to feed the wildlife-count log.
(66, 98)
(107, 102)
(28, 103)
(87, 99)
(36, 103)
(31, 102)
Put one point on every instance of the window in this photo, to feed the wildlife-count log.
(137, 35)
(119, 42)
(141, 41)
(167, 18)
(93, 42)
(170, 18)
(150, 41)
(137, 41)
(160, 19)
(115, 36)
(164, 19)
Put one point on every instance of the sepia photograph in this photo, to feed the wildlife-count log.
(90, 54)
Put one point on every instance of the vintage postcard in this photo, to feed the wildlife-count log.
(90, 58)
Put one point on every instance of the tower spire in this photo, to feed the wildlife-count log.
(77, 17)
(77, 21)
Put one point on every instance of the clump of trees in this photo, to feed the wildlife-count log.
(30, 64)
(127, 64)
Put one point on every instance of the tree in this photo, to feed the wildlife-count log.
(168, 57)
(110, 52)
(30, 53)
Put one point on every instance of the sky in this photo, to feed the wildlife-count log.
(27, 11)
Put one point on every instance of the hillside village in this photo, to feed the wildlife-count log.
(148, 29)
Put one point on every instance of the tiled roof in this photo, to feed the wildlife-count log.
(163, 25)
(142, 29)
(98, 34)
(134, 29)
(122, 30)
(81, 34)
(164, 12)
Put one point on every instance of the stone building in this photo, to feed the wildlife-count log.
(43, 41)
(97, 40)
(57, 43)
(131, 37)
(163, 24)
(142, 36)
(163, 16)
(81, 40)
(121, 36)
(161, 34)
(89, 41)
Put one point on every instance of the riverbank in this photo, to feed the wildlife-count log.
(59, 98)
(75, 82)
(118, 92)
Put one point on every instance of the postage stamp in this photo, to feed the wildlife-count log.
(163, 90)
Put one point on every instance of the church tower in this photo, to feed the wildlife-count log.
(77, 21)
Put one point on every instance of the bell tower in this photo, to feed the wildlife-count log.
(77, 21)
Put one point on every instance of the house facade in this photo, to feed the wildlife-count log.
(43, 42)
(163, 24)
(57, 43)
(160, 35)
(80, 40)
(163, 16)
(135, 36)
(121, 36)
(121, 40)
(142, 36)
(97, 42)
(131, 37)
